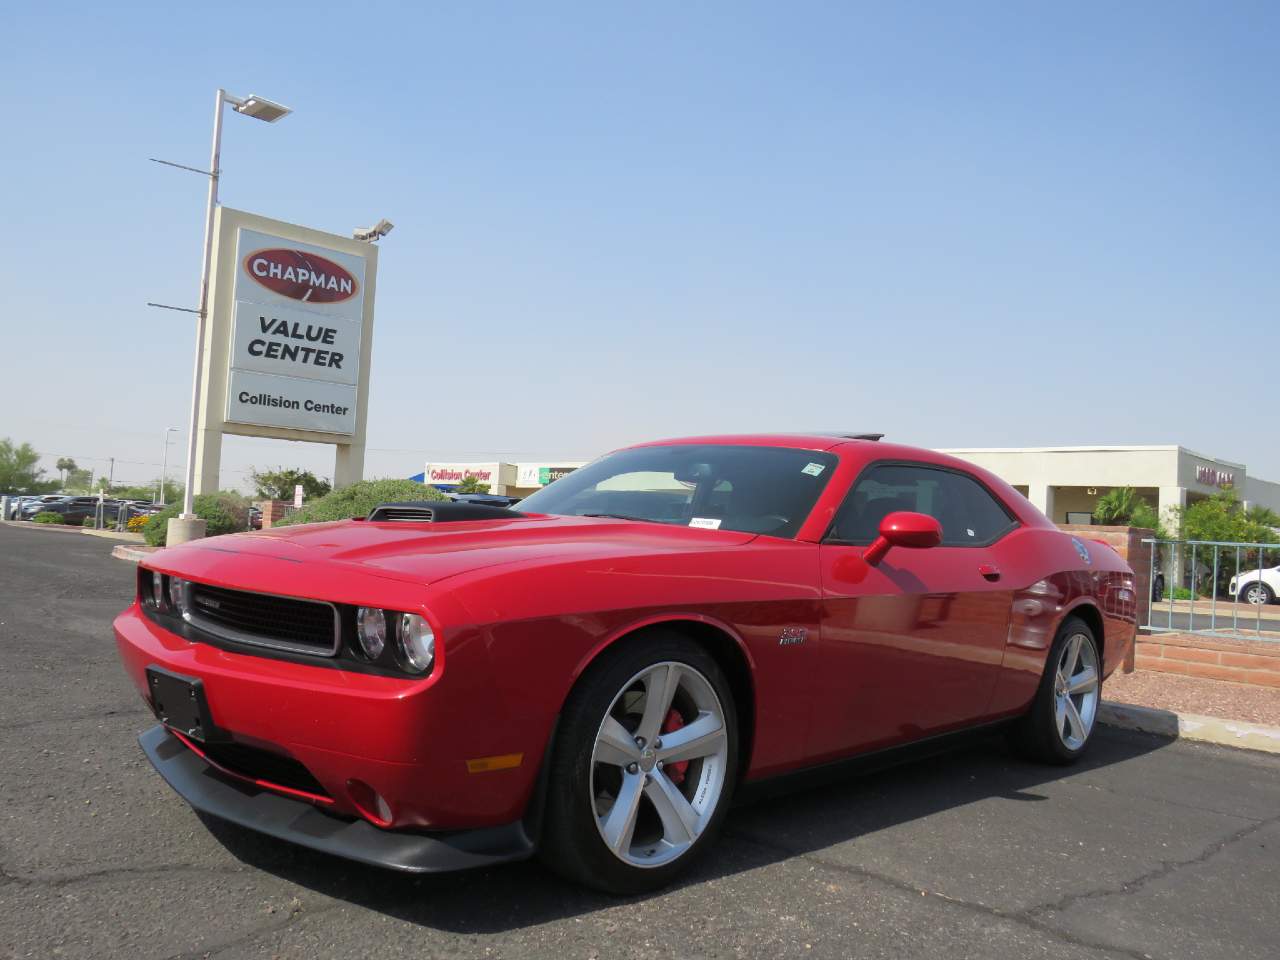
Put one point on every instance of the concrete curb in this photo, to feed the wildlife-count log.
(113, 535)
(122, 551)
(1190, 726)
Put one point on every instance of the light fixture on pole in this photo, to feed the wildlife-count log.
(374, 233)
(260, 108)
(164, 464)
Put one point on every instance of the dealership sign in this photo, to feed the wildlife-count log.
(450, 473)
(1213, 477)
(296, 335)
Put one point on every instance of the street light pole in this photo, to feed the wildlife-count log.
(202, 314)
(260, 109)
(164, 464)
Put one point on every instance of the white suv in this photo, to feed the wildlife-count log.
(1254, 586)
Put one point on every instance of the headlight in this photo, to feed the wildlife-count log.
(157, 589)
(417, 642)
(371, 631)
(178, 594)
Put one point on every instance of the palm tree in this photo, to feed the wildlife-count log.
(65, 465)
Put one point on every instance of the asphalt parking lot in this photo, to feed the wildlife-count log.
(1149, 849)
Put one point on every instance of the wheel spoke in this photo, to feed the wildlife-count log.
(1071, 656)
(620, 824)
(659, 690)
(1060, 716)
(701, 738)
(1073, 719)
(1084, 681)
(614, 745)
(679, 820)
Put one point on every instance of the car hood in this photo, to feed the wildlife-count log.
(425, 553)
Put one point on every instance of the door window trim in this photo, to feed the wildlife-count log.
(1014, 522)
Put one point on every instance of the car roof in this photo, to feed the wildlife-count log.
(798, 441)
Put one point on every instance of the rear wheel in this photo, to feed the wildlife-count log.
(1257, 594)
(643, 768)
(1060, 722)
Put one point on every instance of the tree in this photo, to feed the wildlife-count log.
(18, 470)
(278, 484)
(1221, 518)
(1123, 506)
(78, 481)
(471, 484)
(64, 464)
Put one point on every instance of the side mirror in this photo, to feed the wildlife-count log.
(915, 531)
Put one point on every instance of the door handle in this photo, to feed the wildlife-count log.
(989, 571)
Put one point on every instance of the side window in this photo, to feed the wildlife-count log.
(969, 515)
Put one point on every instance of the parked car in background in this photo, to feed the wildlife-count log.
(1256, 586)
(74, 510)
(18, 504)
(591, 678)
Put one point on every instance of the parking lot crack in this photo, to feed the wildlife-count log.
(207, 952)
(1021, 918)
(1165, 869)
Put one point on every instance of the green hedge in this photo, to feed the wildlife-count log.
(48, 516)
(358, 499)
(223, 512)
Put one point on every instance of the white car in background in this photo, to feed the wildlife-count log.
(1254, 586)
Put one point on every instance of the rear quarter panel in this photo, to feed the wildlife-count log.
(1052, 582)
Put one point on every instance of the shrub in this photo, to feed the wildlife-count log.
(137, 523)
(87, 522)
(223, 512)
(359, 498)
(47, 516)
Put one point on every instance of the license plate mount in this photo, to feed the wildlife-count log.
(179, 703)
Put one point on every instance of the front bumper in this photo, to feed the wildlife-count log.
(301, 822)
(408, 740)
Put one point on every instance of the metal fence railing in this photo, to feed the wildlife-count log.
(1215, 588)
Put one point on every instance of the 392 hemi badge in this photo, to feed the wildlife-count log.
(792, 636)
(301, 276)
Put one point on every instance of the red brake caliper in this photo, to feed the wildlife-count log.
(674, 771)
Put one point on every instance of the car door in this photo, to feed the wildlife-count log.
(913, 645)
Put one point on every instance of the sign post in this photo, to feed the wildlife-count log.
(288, 341)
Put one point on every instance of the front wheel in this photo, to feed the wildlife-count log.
(1057, 727)
(1258, 594)
(643, 768)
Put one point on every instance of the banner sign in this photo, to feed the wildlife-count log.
(295, 343)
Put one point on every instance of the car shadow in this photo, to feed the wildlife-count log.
(809, 819)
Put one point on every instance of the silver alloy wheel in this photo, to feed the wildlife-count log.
(647, 815)
(1076, 690)
(1255, 594)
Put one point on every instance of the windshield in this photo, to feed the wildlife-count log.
(767, 490)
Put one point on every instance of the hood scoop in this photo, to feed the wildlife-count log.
(437, 511)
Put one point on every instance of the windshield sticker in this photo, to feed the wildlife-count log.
(707, 523)
(814, 469)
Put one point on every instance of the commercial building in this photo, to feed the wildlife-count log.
(1064, 482)
(509, 479)
(1067, 482)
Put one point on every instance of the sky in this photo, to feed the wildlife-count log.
(1018, 224)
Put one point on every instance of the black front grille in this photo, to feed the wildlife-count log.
(263, 765)
(304, 625)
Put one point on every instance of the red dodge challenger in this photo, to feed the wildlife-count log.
(593, 675)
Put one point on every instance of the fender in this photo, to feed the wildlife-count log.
(656, 620)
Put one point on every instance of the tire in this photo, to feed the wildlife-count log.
(678, 794)
(1257, 593)
(1047, 732)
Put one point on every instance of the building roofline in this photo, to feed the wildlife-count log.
(1105, 448)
